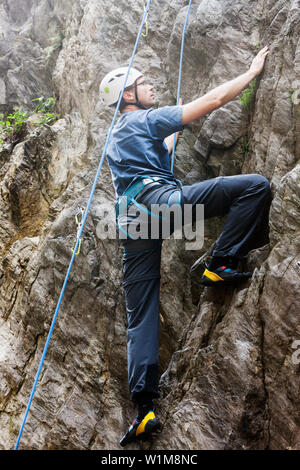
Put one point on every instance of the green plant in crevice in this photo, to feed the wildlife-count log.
(57, 40)
(245, 144)
(12, 123)
(47, 118)
(292, 92)
(17, 118)
(56, 43)
(44, 108)
(44, 105)
(11, 126)
(248, 95)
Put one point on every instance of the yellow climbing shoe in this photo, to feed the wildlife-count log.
(222, 276)
(141, 429)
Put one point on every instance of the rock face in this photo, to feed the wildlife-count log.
(229, 361)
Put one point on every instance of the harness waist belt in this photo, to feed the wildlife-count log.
(133, 191)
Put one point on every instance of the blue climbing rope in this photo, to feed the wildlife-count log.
(82, 225)
(180, 73)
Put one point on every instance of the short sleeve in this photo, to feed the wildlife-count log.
(164, 121)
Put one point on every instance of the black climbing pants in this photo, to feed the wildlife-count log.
(244, 198)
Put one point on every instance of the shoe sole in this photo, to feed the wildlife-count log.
(150, 429)
(152, 426)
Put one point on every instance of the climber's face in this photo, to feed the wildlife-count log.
(144, 92)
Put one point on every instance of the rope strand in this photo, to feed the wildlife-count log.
(180, 73)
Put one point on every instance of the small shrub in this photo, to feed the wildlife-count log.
(248, 95)
(44, 108)
(57, 40)
(47, 118)
(44, 105)
(292, 94)
(56, 44)
(245, 146)
(12, 125)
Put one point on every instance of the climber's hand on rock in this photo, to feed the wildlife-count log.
(258, 61)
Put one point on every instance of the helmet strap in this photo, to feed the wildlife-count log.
(138, 104)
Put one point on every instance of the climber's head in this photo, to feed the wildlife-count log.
(137, 95)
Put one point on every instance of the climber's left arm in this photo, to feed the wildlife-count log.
(169, 141)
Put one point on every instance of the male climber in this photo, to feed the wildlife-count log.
(138, 156)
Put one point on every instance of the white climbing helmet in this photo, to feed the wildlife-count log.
(112, 84)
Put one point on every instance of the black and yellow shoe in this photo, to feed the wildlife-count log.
(141, 429)
(223, 276)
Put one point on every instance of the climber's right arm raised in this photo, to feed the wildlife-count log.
(224, 93)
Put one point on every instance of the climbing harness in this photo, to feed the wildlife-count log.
(180, 73)
(82, 225)
(129, 197)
